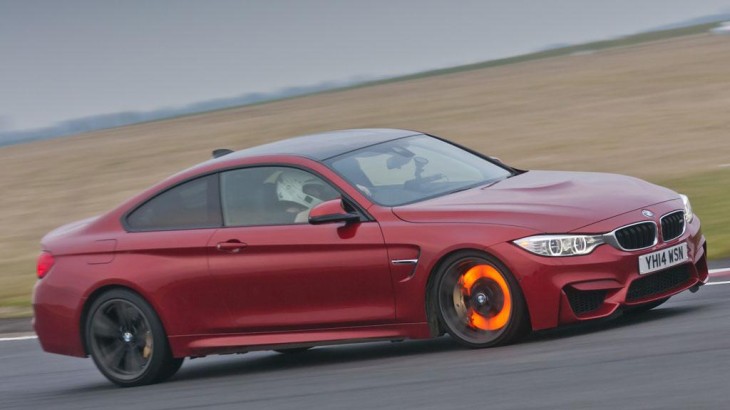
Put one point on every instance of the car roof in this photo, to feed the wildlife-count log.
(324, 145)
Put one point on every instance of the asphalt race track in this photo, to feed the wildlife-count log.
(676, 356)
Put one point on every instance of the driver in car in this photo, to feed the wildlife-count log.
(299, 192)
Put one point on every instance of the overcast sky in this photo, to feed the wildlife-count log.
(73, 58)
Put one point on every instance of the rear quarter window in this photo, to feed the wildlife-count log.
(192, 204)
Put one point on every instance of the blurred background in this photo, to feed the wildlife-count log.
(98, 100)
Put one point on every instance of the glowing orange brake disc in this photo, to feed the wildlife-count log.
(476, 320)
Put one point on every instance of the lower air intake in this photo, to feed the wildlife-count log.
(658, 283)
(584, 301)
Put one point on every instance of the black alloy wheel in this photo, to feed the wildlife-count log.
(126, 340)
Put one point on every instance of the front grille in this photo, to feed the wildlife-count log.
(672, 225)
(637, 236)
(657, 283)
(584, 301)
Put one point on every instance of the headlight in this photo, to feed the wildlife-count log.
(688, 215)
(560, 245)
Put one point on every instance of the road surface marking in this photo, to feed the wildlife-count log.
(725, 282)
(714, 271)
(9, 339)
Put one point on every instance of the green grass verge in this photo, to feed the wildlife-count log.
(709, 194)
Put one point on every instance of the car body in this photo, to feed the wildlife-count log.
(391, 250)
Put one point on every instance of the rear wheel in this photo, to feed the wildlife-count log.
(126, 340)
(478, 301)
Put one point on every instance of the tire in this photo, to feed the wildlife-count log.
(478, 301)
(126, 340)
(637, 309)
(293, 350)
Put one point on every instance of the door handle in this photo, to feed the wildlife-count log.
(230, 246)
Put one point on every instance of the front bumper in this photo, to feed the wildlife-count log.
(566, 290)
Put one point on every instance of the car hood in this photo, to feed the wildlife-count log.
(547, 201)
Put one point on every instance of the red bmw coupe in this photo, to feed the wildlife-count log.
(354, 236)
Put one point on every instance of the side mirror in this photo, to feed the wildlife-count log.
(330, 212)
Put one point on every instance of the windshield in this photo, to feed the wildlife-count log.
(412, 169)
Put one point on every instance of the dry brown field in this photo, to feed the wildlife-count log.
(658, 110)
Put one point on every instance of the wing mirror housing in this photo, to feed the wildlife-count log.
(332, 211)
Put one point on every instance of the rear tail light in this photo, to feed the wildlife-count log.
(45, 263)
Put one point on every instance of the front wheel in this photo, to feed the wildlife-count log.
(126, 340)
(479, 302)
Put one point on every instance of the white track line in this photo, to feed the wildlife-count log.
(10, 339)
(725, 282)
(714, 271)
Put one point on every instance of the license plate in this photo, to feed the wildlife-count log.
(652, 262)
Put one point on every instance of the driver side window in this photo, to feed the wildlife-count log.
(271, 195)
